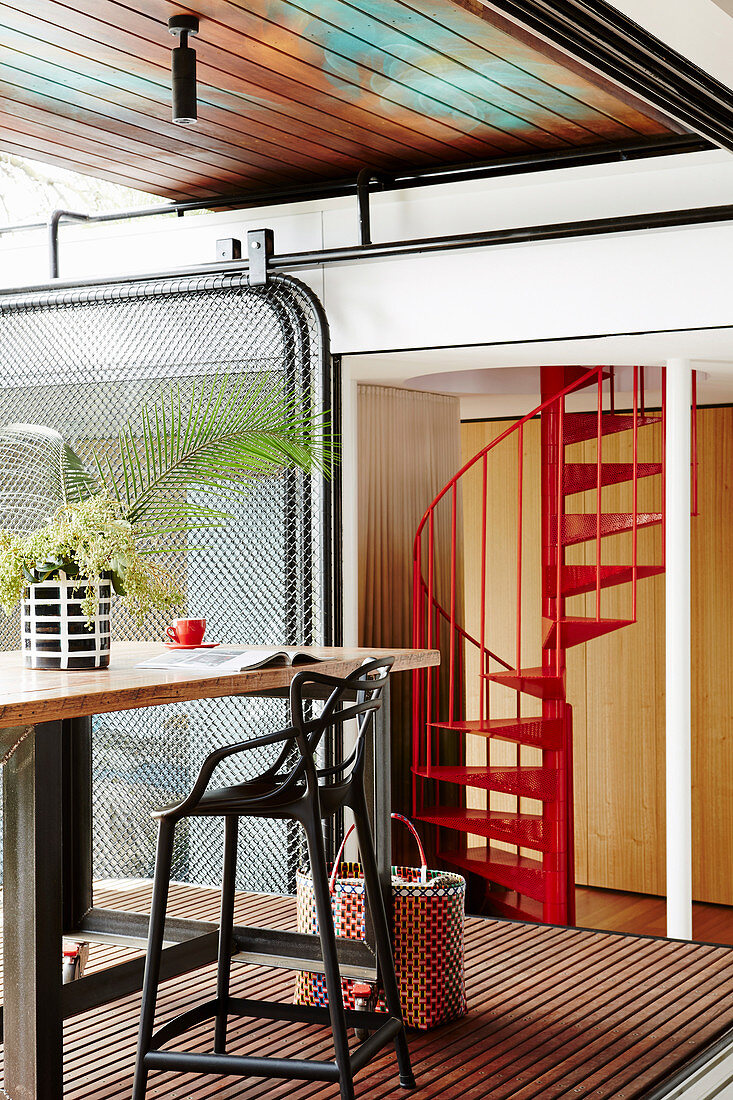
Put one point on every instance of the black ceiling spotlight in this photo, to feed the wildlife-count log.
(183, 69)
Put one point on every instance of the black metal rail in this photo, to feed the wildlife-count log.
(628, 223)
(542, 161)
(361, 186)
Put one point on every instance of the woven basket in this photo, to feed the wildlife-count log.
(428, 911)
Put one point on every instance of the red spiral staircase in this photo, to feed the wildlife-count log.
(520, 860)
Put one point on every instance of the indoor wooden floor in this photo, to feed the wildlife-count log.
(646, 915)
(552, 1013)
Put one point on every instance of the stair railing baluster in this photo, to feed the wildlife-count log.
(664, 466)
(452, 639)
(643, 391)
(695, 511)
(520, 519)
(559, 529)
(417, 641)
(433, 642)
(460, 655)
(483, 664)
(635, 494)
(520, 503)
(599, 476)
(438, 645)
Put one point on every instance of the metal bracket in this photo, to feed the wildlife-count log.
(363, 181)
(229, 248)
(260, 247)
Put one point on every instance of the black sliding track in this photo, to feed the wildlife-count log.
(598, 35)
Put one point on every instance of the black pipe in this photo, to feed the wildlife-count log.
(363, 184)
(628, 223)
(53, 236)
(547, 160)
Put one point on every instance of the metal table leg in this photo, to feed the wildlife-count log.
(77, 821)
(382, 779)
(32, 831)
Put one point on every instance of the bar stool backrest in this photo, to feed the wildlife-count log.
(356, 696)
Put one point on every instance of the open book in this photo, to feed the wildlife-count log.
(228, 659)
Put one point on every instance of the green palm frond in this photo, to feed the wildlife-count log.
(216, 441)
(39, 473)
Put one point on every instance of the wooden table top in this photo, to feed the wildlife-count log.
(29, 696)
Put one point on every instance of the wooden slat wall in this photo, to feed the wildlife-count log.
(552, 1013)
(712, 641)
(616, 683)
(500, 607)
(289, 92)
(624, 697)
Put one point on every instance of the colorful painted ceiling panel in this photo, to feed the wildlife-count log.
(293, 91)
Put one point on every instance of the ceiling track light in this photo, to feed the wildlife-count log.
(183, 69)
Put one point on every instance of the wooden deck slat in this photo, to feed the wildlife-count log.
(553, 1012)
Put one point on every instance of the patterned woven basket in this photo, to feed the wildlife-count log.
(428, 943)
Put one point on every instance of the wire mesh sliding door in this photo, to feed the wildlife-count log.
(83, 362)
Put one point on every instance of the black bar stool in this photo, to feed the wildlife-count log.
(293, 787)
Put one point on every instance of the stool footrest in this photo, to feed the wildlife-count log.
(242, 1066)
(384, 1034)
(301, 1014)
(180, 1024)
(266, 1010)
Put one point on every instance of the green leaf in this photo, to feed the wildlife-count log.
(230, 432)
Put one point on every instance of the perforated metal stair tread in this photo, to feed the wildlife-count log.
(527, 830)
(532, 681)
(577, 579)
(579, 477)
(508, 869)
(583, 526)
(580, 426)
(525, 782)
(579, 629)
(544, 733)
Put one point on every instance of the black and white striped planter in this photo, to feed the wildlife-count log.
(55, 632)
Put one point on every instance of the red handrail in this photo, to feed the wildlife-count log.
(577, 384)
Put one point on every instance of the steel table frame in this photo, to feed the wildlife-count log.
(47, 868)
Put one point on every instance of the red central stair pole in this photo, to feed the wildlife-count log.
(553, 382)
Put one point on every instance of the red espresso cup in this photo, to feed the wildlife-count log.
(187, 631)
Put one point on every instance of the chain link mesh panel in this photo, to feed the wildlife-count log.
(83, 362)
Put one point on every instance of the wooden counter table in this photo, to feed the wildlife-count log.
(45, 741)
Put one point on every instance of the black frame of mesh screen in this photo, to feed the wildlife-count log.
(307, 532)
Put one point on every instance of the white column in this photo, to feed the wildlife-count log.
(350, 544)
(350, 502)
(678, 652)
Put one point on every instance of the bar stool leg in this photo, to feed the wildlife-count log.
(319, 871)
(375, 900)
(156, 929)
(226, 923)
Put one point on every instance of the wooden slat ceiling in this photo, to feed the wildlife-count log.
(292, 91)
